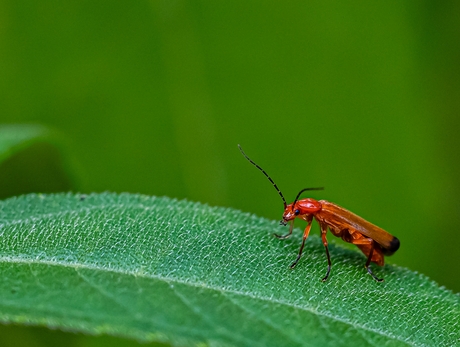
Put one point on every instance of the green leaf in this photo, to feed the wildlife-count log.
(156, 269)
(31, 160)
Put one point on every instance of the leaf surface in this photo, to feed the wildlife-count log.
(157, 269)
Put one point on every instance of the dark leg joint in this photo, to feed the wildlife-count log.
(293, 265)
(327, 274)
(329, 263)
(368, 263)
(283, 237)
(372, 274)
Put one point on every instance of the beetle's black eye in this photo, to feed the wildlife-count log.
(297, 212)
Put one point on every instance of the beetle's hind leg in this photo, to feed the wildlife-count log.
(368, 263)
(369, 247)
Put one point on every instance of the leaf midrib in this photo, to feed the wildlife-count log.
(76, 266)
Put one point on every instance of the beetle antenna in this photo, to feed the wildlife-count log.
(303, 190)
(266, 175)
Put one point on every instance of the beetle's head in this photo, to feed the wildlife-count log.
(290, 213)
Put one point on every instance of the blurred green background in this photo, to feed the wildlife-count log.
(153, 97)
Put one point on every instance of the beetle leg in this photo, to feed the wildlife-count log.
(329, 263)
(282, 237)
(368, 263)
(305, 235)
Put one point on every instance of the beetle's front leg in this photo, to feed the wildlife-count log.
(282, 237)
(305, 236)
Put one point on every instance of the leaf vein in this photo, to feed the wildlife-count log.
(75, 265)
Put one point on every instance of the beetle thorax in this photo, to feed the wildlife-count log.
(301, 208)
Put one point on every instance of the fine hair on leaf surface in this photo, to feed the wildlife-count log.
(184, 273)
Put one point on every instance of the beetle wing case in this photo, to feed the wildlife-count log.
(341, 218)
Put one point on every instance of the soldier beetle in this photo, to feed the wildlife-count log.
(373, 241)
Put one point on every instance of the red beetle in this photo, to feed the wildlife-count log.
(373, 241)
